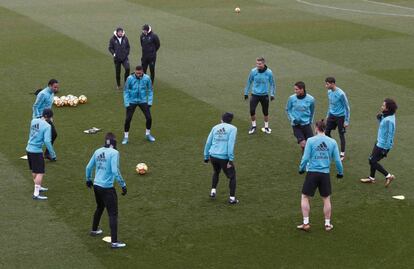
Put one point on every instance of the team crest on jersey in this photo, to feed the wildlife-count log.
(322, 147)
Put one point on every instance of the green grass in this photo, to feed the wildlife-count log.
(207, 50)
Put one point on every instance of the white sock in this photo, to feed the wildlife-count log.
(253, 123)
(126, 134)
(266, 124)
(372, 178)
(147, 132)
(36, 190)
(305, 220)
(213, 191)
(327, 222)
(388, 175)
(342, 153)
(232, 198)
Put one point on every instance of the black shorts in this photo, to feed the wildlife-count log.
(333, 122)
(316, 180)
(36, 162)
(263, 100)
(302, 132)
(378, 154)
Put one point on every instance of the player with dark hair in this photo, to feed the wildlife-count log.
(138, 92)
(106, 163)
(150, 44)
(44, 99)
(40, 134)
(219, 149)
(300, 109)
(385, 141)
(262, 82)
(320, 150)
(338, 113)
(119, 49)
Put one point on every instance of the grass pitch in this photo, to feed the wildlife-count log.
(206, 53)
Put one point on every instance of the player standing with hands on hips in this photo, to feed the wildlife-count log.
(338, 113)
(150, 44)
(138, 93)
(44, 99)
(40, 134)
(219, 149)
(119, 49)
(106, 163)
(320, 150)
(262, 82)
(385, 141)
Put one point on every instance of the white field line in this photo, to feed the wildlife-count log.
(355, 10)
(388, 5)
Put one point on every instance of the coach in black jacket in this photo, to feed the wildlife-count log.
(119, 48)
(150, 44)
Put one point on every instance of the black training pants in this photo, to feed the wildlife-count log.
(54, 135)
(145, 108)
(376, 155)
(218, 165)
(149, 61)
(106, 198)
(118, 64)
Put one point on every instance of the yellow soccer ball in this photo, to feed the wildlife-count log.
(141, 168)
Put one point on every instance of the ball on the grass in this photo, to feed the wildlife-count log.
(237, 10)
(64, 100)
(141, 168)
(83, 99)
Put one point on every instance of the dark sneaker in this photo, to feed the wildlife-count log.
(233, 201)
(252, 130)
(95, 233)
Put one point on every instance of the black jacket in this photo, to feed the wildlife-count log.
(150, 44)
(121, 51)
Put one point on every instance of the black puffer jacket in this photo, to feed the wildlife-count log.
(150, 44)
(121, 50)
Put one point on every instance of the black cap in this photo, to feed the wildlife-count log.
(119, 29)
(47, 113)
(227, 117)
(145, 27)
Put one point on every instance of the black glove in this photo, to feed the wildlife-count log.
(89, 184)
(206, 160)
(246, 97)
(339, 176)
(272, 98)
(379, 116)
(230, 164)
(124, 190)
(301, 172)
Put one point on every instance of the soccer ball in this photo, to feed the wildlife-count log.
(237, 10)
(83, 99)
(58, 102)
(64, 100)
(75, 101)
(141, 168)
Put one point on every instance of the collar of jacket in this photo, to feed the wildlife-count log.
(301, 96)
(263, 70)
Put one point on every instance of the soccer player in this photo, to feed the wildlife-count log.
(261, 77)
(40, 134)
(300, 109)
(106, 163)
(219, 149)
(138, 93)
(385, 141)
(319, 151)
(338, 112)
(44, 100)
(150, 44)
(119, 49)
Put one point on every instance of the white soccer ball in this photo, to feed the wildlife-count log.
(141, 168)
(83, 99)
(237, 10)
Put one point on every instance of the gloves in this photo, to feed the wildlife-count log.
(89, 184)
(246, 97)
(230, 164)
(206, 160)
(272, 98)
(379, 116)
(301, 172)
(124, 190)
(339, 176)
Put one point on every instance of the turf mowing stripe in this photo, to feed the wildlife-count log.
(32, 235)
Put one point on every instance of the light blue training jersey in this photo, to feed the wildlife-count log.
(44, 99)
(300, 111)
(338, 104)
(40, 134)
(138, 90)
(386, 132)
(262, 81)
(220, 142)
